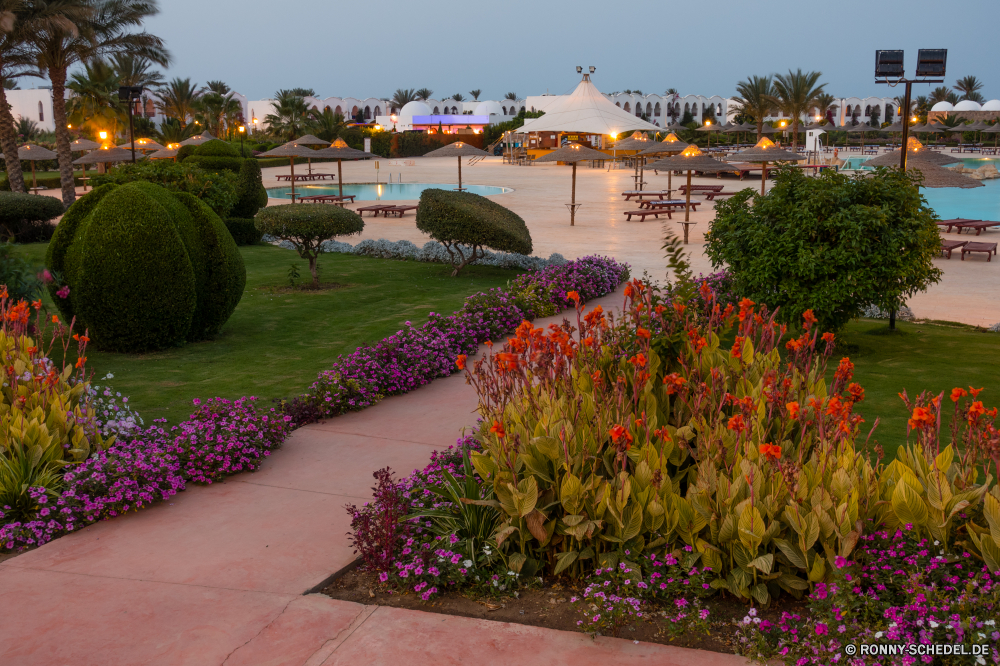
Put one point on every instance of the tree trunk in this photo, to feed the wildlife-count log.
(795, 133)
(892, 319)
(8, 144)
(314, 269)
(63, 151)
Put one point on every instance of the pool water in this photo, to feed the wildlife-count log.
(381, 191)
(978, 203)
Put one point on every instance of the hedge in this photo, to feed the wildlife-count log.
(24, 217)
(463, 219)
(243, 230)
(250, 190)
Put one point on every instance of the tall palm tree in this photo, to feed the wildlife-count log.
(970, 86)
(511, 96)
(458, 97)
(291, 115)
(402, 97)
(171, 131)
(102, 28)
(178, 100)
(216, 112)
(327, 124)
(795, 93)
(825, 105)
(424, 94)
(755, 98)
(135, 71)
(921, 105)
(475, 94)
(220, 87)
(93, 103)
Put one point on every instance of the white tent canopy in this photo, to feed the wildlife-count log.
(586, 111)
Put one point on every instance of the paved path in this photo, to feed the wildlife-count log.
(219, 575)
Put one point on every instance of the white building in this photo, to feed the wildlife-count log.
(34, 104)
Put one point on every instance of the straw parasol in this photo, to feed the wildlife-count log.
(32, 153)
(914, 151)
(204, 137)
(166, 153)
(709, 128)
(291, 150)
(675, 127)
(573, 153)
(765, 151)
(637, 142)
(459, 149)
(691, 159)
(938, 176)
(861, 128)
(340, 151)
(83, 144)
(767, 129)
(994, 130)
(671, 145)
(310, 140)
(143, 144)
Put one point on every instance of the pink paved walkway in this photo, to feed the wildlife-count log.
(218, 576)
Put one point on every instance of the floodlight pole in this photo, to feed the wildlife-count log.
(131, 128)
(906, 129)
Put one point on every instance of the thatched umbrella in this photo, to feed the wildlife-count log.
(573, 153)
(204, 137)
(976, 127)
(459, 149)
(104, 155)
(671, 145)
(675, 127)
(81, 145)
(691, 159)
(709, 128)
(938, 176)
(340, 151)
(310, 140)
(291, 150)
(142, 144)
(166, 153)
(637, 142)
(861, 129)
(994, 130)
(914, 151)
(32, 153)
(765, 151)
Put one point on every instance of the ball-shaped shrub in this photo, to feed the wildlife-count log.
(215, 155)
(24, 217)
(243, 230)
(306, 226)
(250, 189)
(466, 223)
(147, 268)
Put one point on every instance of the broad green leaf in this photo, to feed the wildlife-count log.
(516, 561)
(792, 552)
(751, 528)
(564, 560)
(764, 563)
(908, 506)
(944, 459)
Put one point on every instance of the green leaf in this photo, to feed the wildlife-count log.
(516, 561)
(564, 560)
(764, 563)
(944, 459)
(792, 552)
(549, 446)
(760, 593)
(908, 506)
(751, 528)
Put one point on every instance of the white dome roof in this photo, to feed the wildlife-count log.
(942, 106)
(415, 109)
(992, 105)
(967, 105)
(488, 108)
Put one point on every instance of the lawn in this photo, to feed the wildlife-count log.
(277, 341)
(918, 357)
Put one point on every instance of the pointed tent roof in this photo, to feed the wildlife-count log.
(767, 151)
(587, 111)
(670, 144)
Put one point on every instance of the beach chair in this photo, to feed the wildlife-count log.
(397, 211)
(989, 248)
(978, 225)
(954, 222)
(948, 246)
(643, 214)
(375, 210)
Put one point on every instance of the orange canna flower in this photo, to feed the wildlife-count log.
(573, 296)
(596, 377)
(589, 341)
(856, 391)
(770, 451)
(643, 333)
(738, 424)
(663, 433)
(793, 345)
(975, 392)
(37, 304)
(620, 434)
(845, 370)
(746, 307)
(793, 410)
(679, 308)
(80, 361)
(828, 337)
(674, 382)
(497, 428)
(639, 360)
(958, 393)
(55, 319)
(737, 350)
(460, 361)
(976, 410)
(922, 418)
(809, 318)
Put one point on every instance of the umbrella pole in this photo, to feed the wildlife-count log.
(459, 173)
(763, 176)
(291, 161)
(310, 160)
(34, 181)
(84, 178)
(670, 187)
(572, 199)
(340, 176)
(687, 207)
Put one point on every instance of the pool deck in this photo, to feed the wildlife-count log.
(965, 294)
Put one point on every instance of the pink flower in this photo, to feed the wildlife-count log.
(821, 629)
(63, 292)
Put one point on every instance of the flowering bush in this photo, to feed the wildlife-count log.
(415, 356)
(114, 418)
(378, 526)
(435, 252)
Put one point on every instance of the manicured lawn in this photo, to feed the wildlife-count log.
(928, 356)
(276, 342)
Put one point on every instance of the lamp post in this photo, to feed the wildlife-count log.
(130, 95)
(931, 64)
(243, 130)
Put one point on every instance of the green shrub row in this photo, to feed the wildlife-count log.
(24, 217)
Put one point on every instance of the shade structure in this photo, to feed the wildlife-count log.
(142, 144)
(310, 140)
(204, 137)
(767, 129)
(995, 131)
(32, 153)
(675, 127)
(670, 144)
(732, 129)
(83, 144)
(765, 151)
(638, 141)
(937, 176)
(458, 150)
(164, 154)
(105, 156)
(573, 153)
(895, 127)
(914, 151)
(586, 111)
(690, 159)
(340, 151)
(291, 150)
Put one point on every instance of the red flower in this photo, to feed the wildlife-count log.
(976, 410)
(746, 307)
(975, 392)
(770, 451)
(957, 394)
(460, 361)
(845, 370)
(793, 410)
(619, 434)
(737, 350)
(674, 382)
(809, 318)
(828, 337)
(856, 391)
(573, 296)
(497, 428)
(923, 418)
(642, 333)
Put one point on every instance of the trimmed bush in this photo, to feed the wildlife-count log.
(243, 230)
(457, 219)
(250, 191)
(185, 152)
(219, 190)
(147, 268)
(24, 217)
(216, 148)
(215, 155)
(307, 226)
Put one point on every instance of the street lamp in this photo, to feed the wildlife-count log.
(242, 130)
(254, 124)
(931, 64)
(104, 136)
(130, 95)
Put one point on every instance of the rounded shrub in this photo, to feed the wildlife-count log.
(243, 230)
(466, 223)
(216, 148)
(147, 268)
(250, 191)
(24, 217)
(215, 155)
(307, 226)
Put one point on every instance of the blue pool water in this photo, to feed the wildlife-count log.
(380, 191)
(979, 203)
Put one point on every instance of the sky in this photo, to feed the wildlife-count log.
(530, 47)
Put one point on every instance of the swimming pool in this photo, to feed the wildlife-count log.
(381, 191)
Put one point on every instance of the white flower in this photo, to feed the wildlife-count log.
(934, 625)
(108, 376)
(752, 612)
(937, 543)
(980, 660)
(990, 623)
(878, 634)
(467, 564)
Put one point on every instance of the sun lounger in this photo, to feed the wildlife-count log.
(375, 210)
(642, 194)
(978, 225)
(711, 196)
(954, 222)
(328, 198)
(656, 213)
(700, 188)
(672, 204)
(397, 210)
(948, 246)
(989, 248)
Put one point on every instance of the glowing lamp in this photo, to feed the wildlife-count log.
(69, 126)
(103, 135)
(242, 129)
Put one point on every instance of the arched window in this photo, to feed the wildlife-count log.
(338, 110)
(504, 110)
(687, 108)
(150, 108)
(436, 111)
(378, 111)
(522, 110)
(354, 111)
(656, 109)
(454, 110)
(627, 107)
(618, 104)
(41, 113)
(649, 109)
(868, 110)
(368, 113)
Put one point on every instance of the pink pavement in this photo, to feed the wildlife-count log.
(220, 575)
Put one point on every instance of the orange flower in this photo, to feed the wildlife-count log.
(659, 309)
(507, 361)
(674, 382)
(922, 418)
(488, 343)
(573, 296)
(643, 333)
(679, 308)
(770, 451)
(663, 433)
(738, 424)
(460, 361)
(809, 318)
(3, 292)
(596, 377)
(746, 307)
(856, 391)
(793, 410)
(845, 370)
(80, 361)
(639, 360)
(629, 290)
(497, 428)
(55, 319)
(828, 337)
(589, 341)
(737, 350)
(37, 304)
(793, 345)
(697, 340)
(975, 392)
(958, 393)
(619, 434)
(976, 410)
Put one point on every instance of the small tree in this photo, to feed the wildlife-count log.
(307, 226)
(832, 244)
(466, 223)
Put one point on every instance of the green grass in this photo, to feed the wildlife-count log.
(277, 341)
(931, 356)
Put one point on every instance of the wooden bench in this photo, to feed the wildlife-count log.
(398, 211)
(978, 225)
(641, 194)
(655, 212)
(300, 177)
(375, 210)
(672, 205)
(989, 248)
(329, 198)
(712, 196)
(948, 246)
(954, 222)
(700, 188)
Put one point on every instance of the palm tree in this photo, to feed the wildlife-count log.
(26, 129)
(102, 28)
(511, 96)
(458, 97)
(671, 91)
(970, 86)
(755, 99)
(290, 117)
(220, 87)
(171, 131)
(135, 71)
(215, 111)
(402, 97)
(93, 103)
(424, 94)
(825, 105)
(10, 84)
(921, 105)
(178, 100)
(795, 93)
(327, 124)
(475, 94)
